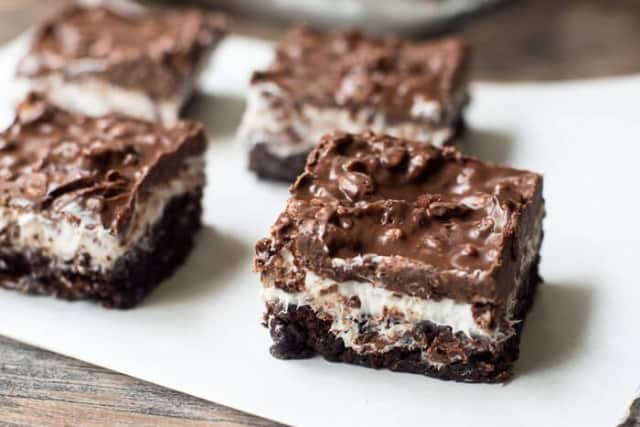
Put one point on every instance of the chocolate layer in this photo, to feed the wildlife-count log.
(418, 220)
(66, 165)
(154, 51)
(351, 70)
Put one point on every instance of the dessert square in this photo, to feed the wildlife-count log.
(96, 208)
(128, 60)
(320, 82)
(396, 254)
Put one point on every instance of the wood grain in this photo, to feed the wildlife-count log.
(556, 40)
(39, 388)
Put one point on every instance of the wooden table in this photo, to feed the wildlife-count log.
(521, 40)
(40, 388)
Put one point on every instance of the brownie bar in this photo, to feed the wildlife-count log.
(397, 254)
(96, 208)
(134, 61)
(416, 90)
(132, 277)
(268, 165)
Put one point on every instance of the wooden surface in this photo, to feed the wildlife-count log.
(40, 388)
(545, 40)
(522, 40)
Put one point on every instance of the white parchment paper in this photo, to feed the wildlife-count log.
(200, 332)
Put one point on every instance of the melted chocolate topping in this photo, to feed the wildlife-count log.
(152, 51)
(351, 70)
(68, 165)
(377, 195)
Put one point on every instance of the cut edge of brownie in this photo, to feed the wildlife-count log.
(163, 248)
(283, 120)
(86, 91)
(299, 333)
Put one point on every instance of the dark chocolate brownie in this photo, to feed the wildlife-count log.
(134, 275)
(416, 90)
(121, 59)
(153, 51)
(98, 208)
(382, 236)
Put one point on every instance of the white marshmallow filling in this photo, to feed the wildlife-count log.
(287, 130)
(97, 97)
(94, 96)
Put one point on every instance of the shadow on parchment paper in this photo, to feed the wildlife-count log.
(214, 256)
(489, 145)
(555, 329)
(221, 114)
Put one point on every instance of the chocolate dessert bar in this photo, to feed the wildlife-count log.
(321, 82)
(138, 62)
(396, 254)
(96, 208)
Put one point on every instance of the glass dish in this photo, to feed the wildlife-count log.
(403, 16)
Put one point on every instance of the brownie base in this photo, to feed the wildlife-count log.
(298, 333)
(133, 276)
(269, 166)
